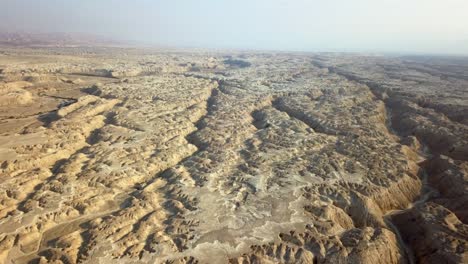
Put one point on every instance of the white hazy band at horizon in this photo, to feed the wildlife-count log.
(416, 26)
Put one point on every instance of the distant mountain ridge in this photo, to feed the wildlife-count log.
(25, 39)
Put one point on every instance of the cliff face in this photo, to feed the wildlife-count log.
(253, 158)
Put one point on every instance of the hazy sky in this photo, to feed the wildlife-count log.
(425, 26)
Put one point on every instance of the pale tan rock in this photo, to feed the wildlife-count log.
(136, 156)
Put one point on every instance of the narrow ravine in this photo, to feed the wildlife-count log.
(426, 192)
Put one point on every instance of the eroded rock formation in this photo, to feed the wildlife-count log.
(143, 157)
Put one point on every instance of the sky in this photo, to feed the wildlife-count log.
(402, 26)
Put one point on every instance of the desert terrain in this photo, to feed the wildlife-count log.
(121, 155)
